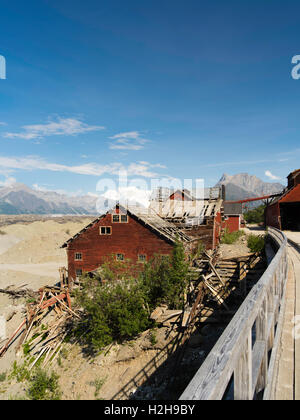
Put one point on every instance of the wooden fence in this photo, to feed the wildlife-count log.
(244, 358)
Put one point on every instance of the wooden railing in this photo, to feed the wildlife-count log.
(244, 358)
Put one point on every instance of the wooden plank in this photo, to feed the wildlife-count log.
(243, 373)
(259, 351)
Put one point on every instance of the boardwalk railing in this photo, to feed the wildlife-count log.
(244, 358)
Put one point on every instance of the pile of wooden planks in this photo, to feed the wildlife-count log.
(45, 325)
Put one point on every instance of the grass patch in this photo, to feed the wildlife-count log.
(44, 386)
(231, 238)
(98, 383)
(2, 376)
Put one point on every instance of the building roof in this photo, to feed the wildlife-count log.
(149, 218)
(173, 209)
(232, 208)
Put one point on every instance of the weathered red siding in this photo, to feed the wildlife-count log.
(273, 216)
(273, 211)
(232, 223)
(217, 229)
(130, 239)
(180, 196)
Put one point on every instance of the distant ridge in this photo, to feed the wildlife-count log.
(20, 199)
(243, 185)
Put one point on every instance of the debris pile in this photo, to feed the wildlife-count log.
(45, 326)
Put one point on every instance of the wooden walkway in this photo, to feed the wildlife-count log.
(287, 385)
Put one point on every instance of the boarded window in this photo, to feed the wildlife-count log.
(120, 257)
(78, 256)
(105, 230)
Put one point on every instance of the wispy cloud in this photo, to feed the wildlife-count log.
(271, 176)
(2, 123)
(31, 163)
(59, 127)
(8, 182)
(132, 140)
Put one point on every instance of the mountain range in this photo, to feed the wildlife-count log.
(21, 199)
(243, 185)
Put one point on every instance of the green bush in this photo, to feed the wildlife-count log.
(231, 238)
(165, 281)
(256, 243)
(114, 311)
(256, 215)
(44, 387)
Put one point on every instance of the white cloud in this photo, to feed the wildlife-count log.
(62, 126)
(271, 176)
(2, 123)
(31, 163)
(8, 182)
(129, 195)
(131, 140)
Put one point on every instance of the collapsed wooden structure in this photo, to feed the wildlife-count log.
(45, 325)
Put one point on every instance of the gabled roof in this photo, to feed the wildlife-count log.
(149, 218)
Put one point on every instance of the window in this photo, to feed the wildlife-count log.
(119, 218)
(78, 272)
(120, 257)
(124, 218)
(78, 256)
(142, 258)
(105, 230)
(165, 258)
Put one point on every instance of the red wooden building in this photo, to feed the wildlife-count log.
(232, 216)
(284, 212)
(133, 233)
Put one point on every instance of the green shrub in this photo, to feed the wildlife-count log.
(44, 387)
(113, 311)
(256, 215)
(165, 280)
(231, 238)
(256, 243)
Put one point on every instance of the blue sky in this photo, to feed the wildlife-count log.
(158, 88)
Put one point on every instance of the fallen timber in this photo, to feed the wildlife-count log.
(53, 306)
